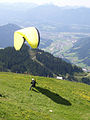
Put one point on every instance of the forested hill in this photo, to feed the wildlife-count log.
(34, 61)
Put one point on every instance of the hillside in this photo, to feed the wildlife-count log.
(81, 47)
(51, 100)
(34, 61)
(6, 34)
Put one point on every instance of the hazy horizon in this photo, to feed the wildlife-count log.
(61, 3)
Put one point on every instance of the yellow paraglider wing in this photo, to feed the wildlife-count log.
(30, 34)
(18, 41)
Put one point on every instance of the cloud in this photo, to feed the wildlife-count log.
(85, 3)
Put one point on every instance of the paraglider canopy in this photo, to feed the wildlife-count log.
(30, 34)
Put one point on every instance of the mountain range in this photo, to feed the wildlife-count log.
(31, 14)
(55, 14)
(69, 46)
(62, 29)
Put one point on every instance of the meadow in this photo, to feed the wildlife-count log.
(52, 99)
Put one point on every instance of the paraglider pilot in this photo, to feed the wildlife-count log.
(33, 83)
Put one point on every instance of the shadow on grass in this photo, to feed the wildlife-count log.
(2, 95)
(35, 90)
(53, 96)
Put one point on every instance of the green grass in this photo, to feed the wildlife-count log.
(52, 99)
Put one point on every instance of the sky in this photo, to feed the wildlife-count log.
(84, 3)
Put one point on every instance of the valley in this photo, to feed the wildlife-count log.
(61, 46)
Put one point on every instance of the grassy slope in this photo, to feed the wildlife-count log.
(67, 100)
